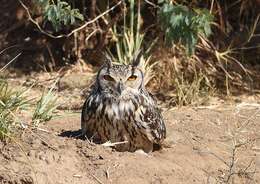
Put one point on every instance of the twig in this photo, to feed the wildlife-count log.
(2, 51)
(232, 164)
(247, 121)
(43, 141)
(152, 4)
(215, 155)
(10, 62)
(211, 6)
(43, 130)
(73, 31)
(91, 34)
(249, 165)
(108, 143)
(51, 56)
(107, 173)
(244, 104)
(77, 176)
(253, 28)
(246, 48)
(98, 180)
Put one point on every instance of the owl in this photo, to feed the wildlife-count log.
(120, 110)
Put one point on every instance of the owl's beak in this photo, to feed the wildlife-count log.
(120, 87)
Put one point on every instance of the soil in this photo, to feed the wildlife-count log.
(217, 143)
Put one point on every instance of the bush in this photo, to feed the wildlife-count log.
(181, 24)
(59, 14)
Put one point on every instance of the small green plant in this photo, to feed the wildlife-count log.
(5, 124)
(11, 99)
(59, 13)
(45, 107)
(10, 102)
(129, 39)
(184, 25)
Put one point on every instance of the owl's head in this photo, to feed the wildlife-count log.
(121, 80)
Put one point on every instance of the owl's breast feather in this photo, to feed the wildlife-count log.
(116, 110)
(119, 109)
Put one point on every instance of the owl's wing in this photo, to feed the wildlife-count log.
(84, 112)
(155, 127)
(88, 110)
(89, 106)
(151, 118)
(84, 118)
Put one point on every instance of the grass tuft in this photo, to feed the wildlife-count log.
(130, 40)
(11, 101)
(45, 107)
(194, 92)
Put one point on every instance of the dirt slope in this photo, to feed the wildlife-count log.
(198, 150)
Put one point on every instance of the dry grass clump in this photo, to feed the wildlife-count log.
(191, 80)
(181, 78)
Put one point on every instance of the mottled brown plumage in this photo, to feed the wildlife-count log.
(119, 109)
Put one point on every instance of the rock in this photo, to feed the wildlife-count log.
(75, 80)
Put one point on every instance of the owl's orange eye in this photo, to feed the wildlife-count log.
(108, 78)
(132, 78)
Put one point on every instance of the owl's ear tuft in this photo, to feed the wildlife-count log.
(108, 60)
(137, 59)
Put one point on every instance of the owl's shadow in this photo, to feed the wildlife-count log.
(75, 134)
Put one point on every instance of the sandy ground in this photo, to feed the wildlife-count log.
(204, 145)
